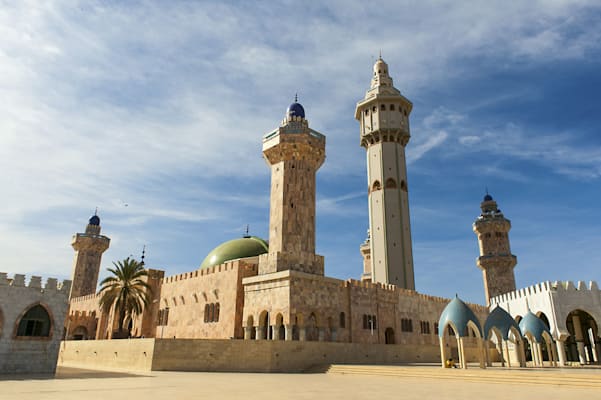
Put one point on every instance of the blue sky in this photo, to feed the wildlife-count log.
(162, 106)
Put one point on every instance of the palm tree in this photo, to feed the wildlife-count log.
(126, 291)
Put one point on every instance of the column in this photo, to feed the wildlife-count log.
(259, 332)
(443, 352)
(561, 352)
(275, 332)
(579, 339)
(481, 351)
(248, 332)
(288, 334)
(506, 355)
(462, 362)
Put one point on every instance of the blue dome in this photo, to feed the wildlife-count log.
(459, 315)
(501, 320)
(95, 220)
(488, 197)
(295, 110)
(534, 326)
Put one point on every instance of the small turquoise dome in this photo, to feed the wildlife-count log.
(488, 197)
(295, 110)
(500, 319)
(459, 315)
(248, 246)
(95, 220)
(534, 326)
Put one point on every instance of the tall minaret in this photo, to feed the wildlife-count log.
(383, 117)
(89, 247)
(496, 260)
(295, 152)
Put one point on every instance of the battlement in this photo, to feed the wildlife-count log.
(82, 299)
(225, 267)
(557, 286)
(405, 292)
(35, 283)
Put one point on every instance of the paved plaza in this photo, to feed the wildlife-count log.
(80, 384)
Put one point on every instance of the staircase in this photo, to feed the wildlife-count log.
(527, 376)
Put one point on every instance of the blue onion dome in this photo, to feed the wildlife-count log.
(95, 220)
(295, 110)
(458, 314)
(534, 326)
(248, 246)
(488, 197)
(500, 319)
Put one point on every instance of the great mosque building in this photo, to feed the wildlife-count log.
(251, 289)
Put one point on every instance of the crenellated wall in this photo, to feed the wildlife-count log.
(556, 300)
(30, 354)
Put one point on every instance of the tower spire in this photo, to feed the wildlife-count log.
(383, 117)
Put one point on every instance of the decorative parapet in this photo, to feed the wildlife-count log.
(35, 282)
(81, 299)
(557, 286)
(225, 267)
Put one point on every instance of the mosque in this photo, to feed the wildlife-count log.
(277, 290)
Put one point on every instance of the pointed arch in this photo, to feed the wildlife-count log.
(34, 321)
(376, 186)
(390, 183)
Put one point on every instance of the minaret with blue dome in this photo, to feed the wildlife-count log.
(88, 247)
(294, 152)
(383, 117)
(496, 260)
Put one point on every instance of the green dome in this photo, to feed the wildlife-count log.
(248, 246)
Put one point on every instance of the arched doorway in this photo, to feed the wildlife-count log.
(250, 325)
(389, 336)
(79, 333)
(311, 327)
(280, 328)
(583, 345)
(264, 325)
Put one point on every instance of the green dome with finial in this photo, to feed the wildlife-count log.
(248, 246)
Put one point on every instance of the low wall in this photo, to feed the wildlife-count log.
(234, 355)
(113, 355)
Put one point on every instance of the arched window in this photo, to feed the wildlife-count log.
(35, 322)
(376, 186)
(216, 319)
(390, 183)
(392, 107)
(211, 312)
(365, 323)
(383, 107)
(206, 313)
(342, 320)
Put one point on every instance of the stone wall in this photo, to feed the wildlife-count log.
(187, 295)
(236, 355)
(30, 354)
(113, 355)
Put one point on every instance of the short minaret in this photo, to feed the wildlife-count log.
(383, 117)
(496, 260)
(295, 152)
(89, 247)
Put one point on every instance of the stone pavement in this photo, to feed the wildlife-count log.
(89, 385)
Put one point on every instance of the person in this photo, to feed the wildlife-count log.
(450, 363)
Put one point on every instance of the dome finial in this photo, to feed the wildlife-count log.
(143, 255)
(296, 97)
(246, 235)
(380, 57)
(96, 211)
